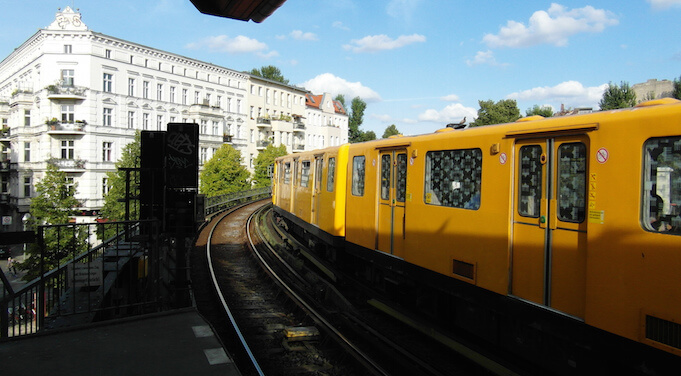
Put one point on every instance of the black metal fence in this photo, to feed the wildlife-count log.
(218, 203)
(81, 279)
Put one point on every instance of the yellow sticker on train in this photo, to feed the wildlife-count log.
(596, 216)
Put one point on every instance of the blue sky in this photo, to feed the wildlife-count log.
(418, 64)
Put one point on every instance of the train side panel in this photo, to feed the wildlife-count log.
(360, 225)
(634, 260)
(330, 207)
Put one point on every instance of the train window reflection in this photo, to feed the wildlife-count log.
(530, 181)
(358, 175)
(662, 185)
(287, 173)
(385, 176)
(453, 178)
(572, 182)
(305, 174)
(331, 174)
(401, 178)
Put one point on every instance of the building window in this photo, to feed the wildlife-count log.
(159, 92)
(131, 87)
(172, 94)
(196, 97)
(27, 118)
(70, 184)
(67, 113)
(106, 151)
(106, 121)
(67, 149)
(207, 101)
(131, 119)
(68, 49)
(216, 128)
(67, 77)
(105, 186)
(238, 106)
(145, 122)
(184, 96)
(27, 186)
(107, 82)
(27, 151)
(145, 89)
(219, 101)
(204, 155)
(204, 126)
(107, 54)
(159, 122)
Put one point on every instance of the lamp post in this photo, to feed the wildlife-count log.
(24, 221)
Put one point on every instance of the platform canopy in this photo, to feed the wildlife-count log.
(245, 10)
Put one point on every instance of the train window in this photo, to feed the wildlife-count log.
(358, 175)
(305, 173)
(529, 195)
(319, 162)
(661, 199)
(572, 182)
(385, 176)
(401, 178)
(453, 178)
(331, 174)
(294, 170)
(287, 173)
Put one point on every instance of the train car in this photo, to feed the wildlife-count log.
(558, 239)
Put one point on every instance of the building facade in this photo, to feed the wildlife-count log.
(74, 98)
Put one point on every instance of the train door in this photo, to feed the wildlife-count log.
(392, 197)
(317, 188)
(549, 224)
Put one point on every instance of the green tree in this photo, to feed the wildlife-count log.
(615, 97)
(340, 98)
(270, 72)
(391, 131)
(114, 205)
(356, 118)
(367, 136)
(504, 111)
(263, 162)
(544, 111)
(54, 204)
(223, 173)
(676, 93)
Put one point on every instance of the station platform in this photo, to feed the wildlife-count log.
(171, 343)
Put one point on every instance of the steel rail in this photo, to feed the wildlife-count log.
(316, 316)
(222, 297)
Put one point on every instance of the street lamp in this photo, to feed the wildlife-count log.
(24, 221)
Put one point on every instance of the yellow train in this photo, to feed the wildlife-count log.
(565, 228)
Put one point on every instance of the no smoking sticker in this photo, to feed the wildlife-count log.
(602, 155)
(502, 158)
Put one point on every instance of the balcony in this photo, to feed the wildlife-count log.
(68, 165)
(21, 97)
(204, 109)
(56, 92)
(262, 144)
(4, 198)
(227, 138)
(4, 134)
(263, 122)
(62, 128)
(7, 166)
(298, 146)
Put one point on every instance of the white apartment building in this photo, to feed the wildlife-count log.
(326, 122)
(74, 98)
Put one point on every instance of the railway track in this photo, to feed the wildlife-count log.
(291, 317)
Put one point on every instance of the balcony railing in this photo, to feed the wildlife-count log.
(299, 146)
(227, 138)
(262, 144)
(68, 164)
(263, 122)
(65, 92)
(76, 127)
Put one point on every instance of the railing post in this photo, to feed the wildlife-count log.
(4, 319)
(40, 320)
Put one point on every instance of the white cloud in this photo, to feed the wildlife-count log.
(402, 9)
(450, 98)
(664, 4)
(571, 93)
(485, 57)
(339, 25)
(382, 118)
(454, 112)
(552, 27)
(328, 83)
(373, 43)
(236, 45)
(299, 35)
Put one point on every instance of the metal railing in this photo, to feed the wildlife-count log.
(217, 203)
(118, 277)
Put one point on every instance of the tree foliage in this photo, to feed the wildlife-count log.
(356, 119)
(544, 111)
(390, 131)
(676, 92)
(503, 111)
(263, 162)
(269, 72)
(54, 204)
(223, 173)
(114, 206)
(615, 97)
(340, 98)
